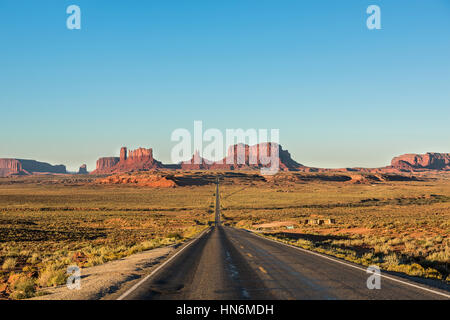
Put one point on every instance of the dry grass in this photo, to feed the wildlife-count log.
(48, 223)
(400, 226)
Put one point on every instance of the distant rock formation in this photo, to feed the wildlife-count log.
(104, 165)
(411, 162)
(133, 160)
(428, 161)
(150, 180)
(83, 169)
(14, 167)
(196, 163)
(243, 156)
(10, 167)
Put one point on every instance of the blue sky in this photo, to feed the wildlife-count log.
(341, 95)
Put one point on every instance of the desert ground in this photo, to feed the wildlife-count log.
(399, 222)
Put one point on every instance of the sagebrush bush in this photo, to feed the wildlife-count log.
(24, 288)
(392, 259)
(52, 276)
(9, 264)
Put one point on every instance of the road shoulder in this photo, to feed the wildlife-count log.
(106, 281)
(437, 287)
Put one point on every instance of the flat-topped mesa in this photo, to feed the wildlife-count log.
(11, 167)
(33, 166)
(12, 164)
(243, 156)
(418, 162)
(105, 165)
(140, 154)
(130, 160)
(260, 155)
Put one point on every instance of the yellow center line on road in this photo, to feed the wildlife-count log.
(262, 269)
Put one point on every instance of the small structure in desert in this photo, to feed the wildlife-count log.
(320, 221)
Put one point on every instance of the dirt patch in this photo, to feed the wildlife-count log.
(108, 280)
(275, 224)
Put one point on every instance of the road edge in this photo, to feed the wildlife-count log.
(353, 265)
(163, 264)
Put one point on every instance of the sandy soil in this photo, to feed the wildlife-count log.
(108, 280)
(275, 224)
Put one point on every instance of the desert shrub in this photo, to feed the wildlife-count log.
(134, 249)
(442, 256)
(175, 235)
(13, 252)
(368, 256)
(96, 261)
(149, 244)
(307, 244)
(52, 276)
(192, 231)
(395, 241)
(34, 258)
(23, 288)
(416, 269)
(9, 264)
(392, 259)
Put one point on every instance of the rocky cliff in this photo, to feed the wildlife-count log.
(130, 160)
(105, 165)
(428, 161)
(243, 156)
(33, 166)
(10, 167)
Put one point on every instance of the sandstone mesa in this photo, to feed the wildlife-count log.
(21, 167)
(142, 159)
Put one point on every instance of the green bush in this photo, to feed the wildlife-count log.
(175, 235)
(24, 288)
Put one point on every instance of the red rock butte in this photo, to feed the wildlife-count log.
(418, 162)
(239, 156)
(130, 160)
(243, 156)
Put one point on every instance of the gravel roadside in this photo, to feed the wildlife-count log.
(107, 281)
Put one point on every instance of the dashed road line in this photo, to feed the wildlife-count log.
(262, 269)
(127, 293)
(354, 266)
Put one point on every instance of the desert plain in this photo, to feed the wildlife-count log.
(400, 222)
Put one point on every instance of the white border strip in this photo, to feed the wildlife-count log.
(353, 266)
(123, 296)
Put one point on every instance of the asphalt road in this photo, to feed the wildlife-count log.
(228, 263)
